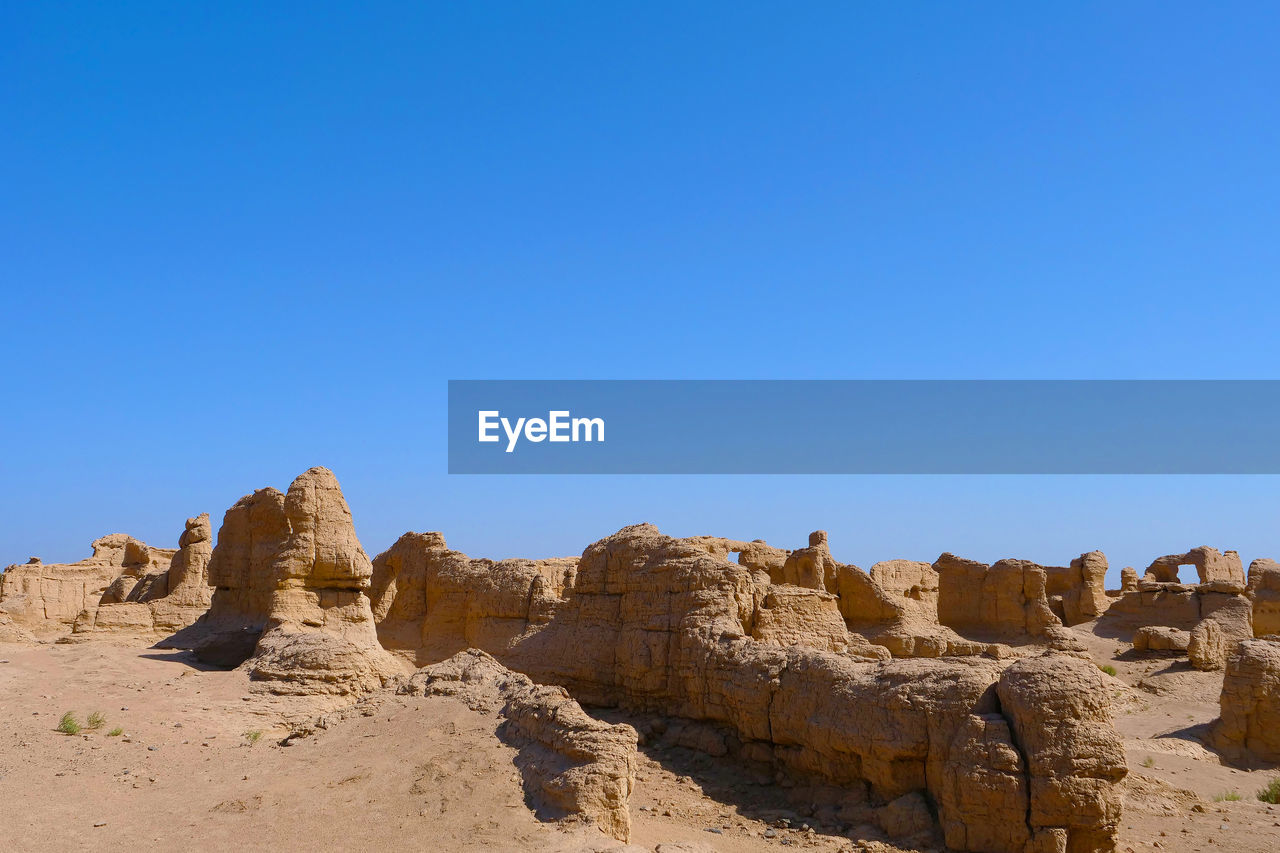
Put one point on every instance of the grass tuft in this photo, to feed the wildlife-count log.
(1227, 797)
(96, 721)
(252, 736)
(1271, 793)
(1149, 761)
(1108, 669)
(69, 725)
(116, 732)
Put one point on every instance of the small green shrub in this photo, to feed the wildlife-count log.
(1227, 797)
(252, 736)
(1108, 669)
(69, 725)
(116, 732)
(1271, 793)
(1149, 762)
(96, 721)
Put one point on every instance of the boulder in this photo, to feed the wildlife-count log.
(1227, 619)
(1155, 638)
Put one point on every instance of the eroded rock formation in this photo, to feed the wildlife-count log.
(1248, 729)
(572, 765)
(1264, 595)
(661, 625)
(291, 593)
(47, 597)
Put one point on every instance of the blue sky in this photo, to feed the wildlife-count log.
(242, 240)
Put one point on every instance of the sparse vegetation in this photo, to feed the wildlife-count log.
(116, 732)
(252, 736)
(96, 721)
(1108, 669)
(1271, 793)
(69, 725)
(1227, 797)
(1149, 762)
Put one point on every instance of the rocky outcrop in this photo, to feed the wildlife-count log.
(572, 765)
(1007, 599)
(290, 595)
(1212, 567)
(1248, 730)
(1226, 620)
(1264, 595)
(158, 602)
(1078, 592)
(242, 573)
(431, 602)
(47, 597)
(660, 625)
(796, 616)
(319, 635)
(1059, 710)
(812, 567)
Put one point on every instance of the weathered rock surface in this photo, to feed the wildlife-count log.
(1153, 638)
(1248, 729)
(1226, 620)
(158, 601)
(47, 597)
(1060, 714)
(572, 764)
(1264, 594)
(1006, 599)
(1211, 566)
(661, 625)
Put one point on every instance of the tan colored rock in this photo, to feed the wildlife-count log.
(12, 632)
(1264, 594)
(241, 571)
(1211, 567)
(1157, 638)
(431, 602)
(1006, 599)
(812, 567)
(319, 635)
(1077, 593)
(572, 765)
(1226, 620)
(660, 625)
(1060, 713)
(915, 582)
(796, 616)
(1248, 730)
(47, 597)
(1128, 579)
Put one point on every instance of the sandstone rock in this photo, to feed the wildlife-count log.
(661, 625)
(1226, 620)
(1159, 638)
(12, 632)
(157, 601)
(812, 567)
(1077, 593)
(1248, 730)
(47, 597)
(572, 765)
(1006, 599)
(1211, 566)
(1128, 579)
(1059, 709)
(430, 602)
(319, 635)
(1264, 594)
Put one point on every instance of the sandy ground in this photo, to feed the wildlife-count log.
(429, 774)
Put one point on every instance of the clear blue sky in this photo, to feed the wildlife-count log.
(240, 240)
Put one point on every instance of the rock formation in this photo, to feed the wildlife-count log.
(661, 625)
(1226, 620)
(1153, 638)
(1264, 595)
(1007, 599)
(1211, 567)
(47, 597)
(1248, 729)
(158, 601)
(572, 764)
(290, 594)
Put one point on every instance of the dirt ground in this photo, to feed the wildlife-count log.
(198, 760)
